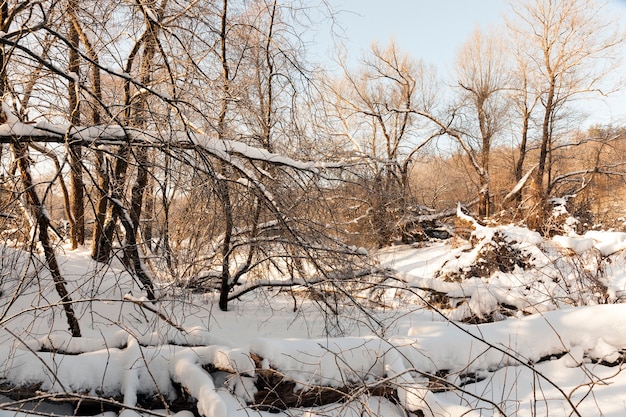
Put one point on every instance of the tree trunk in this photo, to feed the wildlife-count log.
(165, 232)
(43, 223)
(77, 220)
(4, 22)
(484, 200)
(77, 223)
(133, 252)
(101, 204)
(486, 132)
(139, 117)
(225, 285)
(519, 165)
(149, 213)
(222, 185)
(105, 243)
(101, 172)
(139, 187)
(546, 136)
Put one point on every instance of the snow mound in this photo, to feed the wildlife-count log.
(505, 271)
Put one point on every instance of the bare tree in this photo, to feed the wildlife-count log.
(483, 76)
(373, 107)
(524, 102)
(569, 49)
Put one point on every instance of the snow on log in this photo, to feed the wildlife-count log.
(130, 381)
(115, 134)
(101, 371)
(186, 370)
(412, 396)
(346, 361)
(62, 342)
(235, 361)
(332, 362)
(490, 346)
(127, 373)
(519, 186)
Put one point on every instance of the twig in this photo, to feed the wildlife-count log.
(160, 315)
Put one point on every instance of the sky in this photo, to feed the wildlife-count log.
(434, 30)
(424, 28)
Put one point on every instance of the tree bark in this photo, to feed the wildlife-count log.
(77, 220)
(101, 204)
(133, 252)
(546, 136)
(139, 187)
(149, 213)
(105, 242)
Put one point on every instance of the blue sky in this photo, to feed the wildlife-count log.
(434, 30)
(428, 29)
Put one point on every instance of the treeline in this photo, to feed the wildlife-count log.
(201, 136)
(587, 171)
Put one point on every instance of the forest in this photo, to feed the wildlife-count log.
(196, 216)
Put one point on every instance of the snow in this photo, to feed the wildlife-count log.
(563, 346)
(330, 362)
(607, 242)
(578, 245)
(515, 339)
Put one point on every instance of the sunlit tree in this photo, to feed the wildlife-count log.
(568, 48)
(483, 77)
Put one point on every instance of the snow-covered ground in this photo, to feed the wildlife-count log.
(552, 341)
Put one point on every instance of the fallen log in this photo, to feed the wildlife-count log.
(31, 397)
(276, 392)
